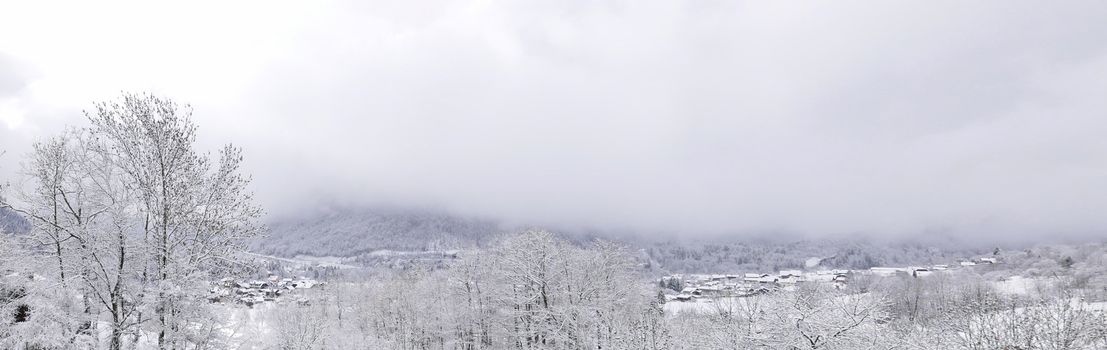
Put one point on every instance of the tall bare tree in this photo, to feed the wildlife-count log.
(194, 214)
(136, 219)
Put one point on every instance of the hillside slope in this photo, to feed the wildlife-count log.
(10, 222)
(352, 232)
(358, 233)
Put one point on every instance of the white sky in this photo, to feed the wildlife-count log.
(984, 117)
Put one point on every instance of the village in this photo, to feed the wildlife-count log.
(272, 289)
(686, 288)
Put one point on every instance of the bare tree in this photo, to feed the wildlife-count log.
(61, 205)
(136, 219)
(193, 215)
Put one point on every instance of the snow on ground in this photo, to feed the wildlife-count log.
(304, 260)
(697, 306)
(326, 261)
(812, 262)
(1098, 306)
(145, 339)
(1017, 285)
(246, 326)
(395, 253)
(705, 306)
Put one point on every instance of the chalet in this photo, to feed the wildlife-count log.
(921, 271)
(791, 273)
(887, 271)
(305, 283)
(754, 291)
(790, 279)
(760, 279)
(713, 291)
(251, 300)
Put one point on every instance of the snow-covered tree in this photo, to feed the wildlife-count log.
(136, 221)
(193, 214)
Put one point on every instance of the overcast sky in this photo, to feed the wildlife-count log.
(887, 117)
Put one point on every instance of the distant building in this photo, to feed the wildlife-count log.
(887, 271)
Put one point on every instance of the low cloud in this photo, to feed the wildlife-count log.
(698, 117)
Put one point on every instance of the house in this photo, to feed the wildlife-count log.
(920, 272)
(887, 271)
(251, 300)
(760, 278)
(788, 280)
(709, 291)
(305, 283)
(989, 260)
(753, 291)
(968, 263)
(790, 273)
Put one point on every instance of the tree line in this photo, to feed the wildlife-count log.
(534, 290)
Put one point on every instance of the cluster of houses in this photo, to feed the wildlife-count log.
(713, 286)
(250, 293)
(923, 271)
(693, 287)
(980, 261)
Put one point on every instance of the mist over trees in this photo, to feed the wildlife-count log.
(359, 232)
(123, 229)
(349, 232)
(126, 218)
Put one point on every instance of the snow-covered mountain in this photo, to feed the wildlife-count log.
(356, 231)
(10, 222)
(369, 234)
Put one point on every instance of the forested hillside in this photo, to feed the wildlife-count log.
(752, 255)
(351, 232)
(10, 222)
